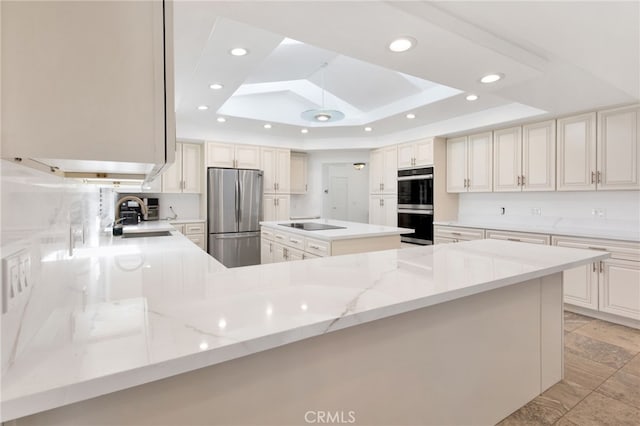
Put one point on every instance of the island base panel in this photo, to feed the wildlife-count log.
(363, 245)
(472, 360)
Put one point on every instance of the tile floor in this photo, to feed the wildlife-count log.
(602, 379)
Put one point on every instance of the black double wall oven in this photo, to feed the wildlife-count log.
(415, 204)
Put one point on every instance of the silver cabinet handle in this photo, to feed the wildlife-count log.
(593, 177)
(274, 186)
(597, 248)
(279, 237)
(601, 266)
(294, 241)
(519, 180)
(306, 187)
(522, 180)
(380, 202)
(383, 186)
(513, 239)
(285, 253)
(382, 199)
(468, 183)
(594, 266)
(598, 177)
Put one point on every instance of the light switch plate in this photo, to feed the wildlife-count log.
(16, 277)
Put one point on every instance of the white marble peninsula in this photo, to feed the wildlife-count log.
(153, 331)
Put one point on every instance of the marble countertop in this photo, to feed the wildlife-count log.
(136, 310)
(587, 228)
(351, 229)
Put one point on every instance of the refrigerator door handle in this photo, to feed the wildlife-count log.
(237, 201)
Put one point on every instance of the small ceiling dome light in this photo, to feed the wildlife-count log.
(472, 97)
(216, 86)
(368, 129)
(238, 51)
(221, 119)
(304, 131)
(267, 126)
(411, 116)
(203, 107)
(402, 44)
(322, 115)
(491, 78)
(358, 166)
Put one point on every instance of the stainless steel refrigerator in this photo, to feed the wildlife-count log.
(234, 209)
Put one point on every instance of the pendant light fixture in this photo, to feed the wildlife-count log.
(322, 115)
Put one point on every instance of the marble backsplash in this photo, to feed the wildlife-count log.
(41, 213)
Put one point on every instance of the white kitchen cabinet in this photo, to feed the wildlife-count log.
(524, 237)
(454, 234)
(185, 175)
(576, 153)
(383, 175)
(275, 207)
(194, 231)
(298, 177)
(236, 156)
(618, 149)
(89, 87)
(469, 163)
(282, 246)
(276, 163)
(415, 154)
(524, 158)
(266, 251)
(619, 288)
(383, 210)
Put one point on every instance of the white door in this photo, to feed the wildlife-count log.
(457, 165)
(220, 154)
(298, 173)
(339, 198)
(423, 151)
(620, 288)
(405, 155)
(390, 210)
(480, 162)
(375, 173)
(282, 207)
(191, 168)
(581, 286)
(507, 159)
(375, 210)
(172, 177)
(539, 156)
(390, 170)
(247, 157)
(619, 149)
(576, 153)
(268, 160)
(283, 171)
(269, 207)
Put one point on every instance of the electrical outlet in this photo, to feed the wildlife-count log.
(16, 277)
(536, 211)
(599, 212)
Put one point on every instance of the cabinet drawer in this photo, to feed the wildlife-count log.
(519, 236)
(194, 228)
(306, 255)
(197, 240)
(295, 241)
(619, 249)
(281, 237)
(460, 234)
(317, 247)
(267, 234)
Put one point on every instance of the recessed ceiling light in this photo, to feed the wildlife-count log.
(238, 51)
(491, 78)
(216, 86)
(411, 116)
(221, 119)
(472, 97)
(402, 44)
(267, 126)
(203, 107)
(368, 129)
(304, 131)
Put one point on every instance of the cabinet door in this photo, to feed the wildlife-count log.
(423, 153)
(376, 216)
(191, 168)
(220, 154)
(405, 155)
(269, 207)
(581, 286)
(539, 156)
(618, 148)
(282, 207)
(390, 170)
(457, 164)
(390, 210)
(294, 254)
(279, 254)
(268, 160)
(247, 157)
(298, 173)
(507, 159)
(576, 153)
(172, 177)
(375, 173)
(620, 288)
(266, 251)
(179, 227)
(283, 171)
(480, 162)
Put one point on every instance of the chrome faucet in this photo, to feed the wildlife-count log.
(143, 207)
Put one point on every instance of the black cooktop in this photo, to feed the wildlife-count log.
(311, 226)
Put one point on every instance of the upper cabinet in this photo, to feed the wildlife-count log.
(298, 177)
(233, 156)
(618, 150)
(383, 175)
(276, 163)
(576, 153)
(88, 86)
(524, 158)
(185, 175)
(415, 154)
(469, 160)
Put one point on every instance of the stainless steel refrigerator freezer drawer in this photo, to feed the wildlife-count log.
(235, 249)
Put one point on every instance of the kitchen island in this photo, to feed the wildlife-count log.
(306, 239)
(155, 331)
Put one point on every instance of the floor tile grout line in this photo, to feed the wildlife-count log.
(617, 400)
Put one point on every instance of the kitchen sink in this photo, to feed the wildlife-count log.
(146, 234)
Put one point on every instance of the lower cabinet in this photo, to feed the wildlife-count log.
(275, 207)
(452, 234)
(194, 231)
(278, 246)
